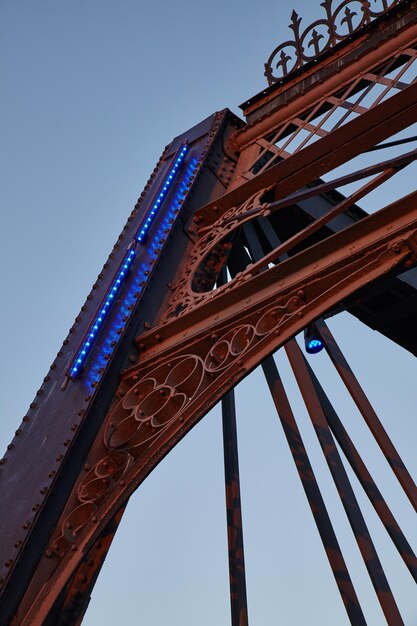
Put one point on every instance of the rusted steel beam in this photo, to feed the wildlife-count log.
(78, 593)
(368, 413)
(344, 488)
(338, 147)
(238, 600)
(396, 164)
(355, 460)
(296, 239)
(189, 364)
(312, 491)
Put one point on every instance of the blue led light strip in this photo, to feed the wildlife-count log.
(104, 309)
(140, 238)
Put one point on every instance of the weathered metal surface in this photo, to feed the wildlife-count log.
(374, 424)
(237, 575)
(344, 488)
(48, 452)
(112, 435)
(190, 363)
(375, 496)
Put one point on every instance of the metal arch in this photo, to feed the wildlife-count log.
(196, 359)
(195, 355)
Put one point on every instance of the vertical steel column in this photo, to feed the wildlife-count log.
(368, 413)
(237, 575)
(341, 480)
(362, 473)
(312, 491)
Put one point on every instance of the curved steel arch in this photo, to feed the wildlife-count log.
(171, 347)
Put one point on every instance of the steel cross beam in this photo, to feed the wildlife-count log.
(190, 363)
(327, 153)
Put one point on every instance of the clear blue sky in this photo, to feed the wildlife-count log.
(92, 91)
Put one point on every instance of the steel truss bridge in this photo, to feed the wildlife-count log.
(240, 241)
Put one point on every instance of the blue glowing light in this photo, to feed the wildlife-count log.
(99, 320)
(314, 345)
(138, 279)
(140, 238)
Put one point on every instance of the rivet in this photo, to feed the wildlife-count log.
(67, 525)
(8, 562)
(87, 398)
(18, 543)
(45, 380)
(277, 332)
(25, 419)
(125, 318)
(65, 342)
(18, 431)
(33, 405)
(26, 525)
(122, 483)
(51, 474)
(59, 457)
(113, 343)
(2, 461)
(94, 518)
(67, 442)
(87, 467)
(10, 446)
(81, 412)
(73, 547)
(43, 490)
(48, 554)
(35, 507)
(83, 578)
(146, 325)
(74, 427)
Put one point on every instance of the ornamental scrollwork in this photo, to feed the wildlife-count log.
(155, 403)
(339, 22)
(208, 255)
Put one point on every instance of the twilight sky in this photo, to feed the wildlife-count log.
(92, 91)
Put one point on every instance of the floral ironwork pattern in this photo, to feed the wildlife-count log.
(338, 23)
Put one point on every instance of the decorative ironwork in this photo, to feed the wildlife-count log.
(339, 23)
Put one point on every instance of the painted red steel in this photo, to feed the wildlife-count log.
(187, 346)
(194, 360)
